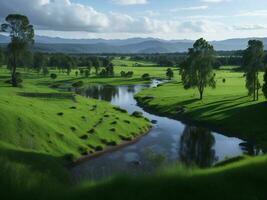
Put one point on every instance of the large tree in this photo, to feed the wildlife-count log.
(1, 57)
(22, 34)
(196, 70)
(253, 62)
(264, 87)
(39, 61)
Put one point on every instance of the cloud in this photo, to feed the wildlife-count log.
(130, 2)
(253, 13)
(249, 27)
(190, 8)
(57, 14)
(215, 1)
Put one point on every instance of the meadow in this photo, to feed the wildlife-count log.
(44, 128)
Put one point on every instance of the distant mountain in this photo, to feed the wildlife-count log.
(132, 45)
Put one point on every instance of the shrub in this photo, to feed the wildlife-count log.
(123, 73)
(137, 114)
(169, 73)
(53, 76)
(77, 84)
(129, 74)
(224, 80)
(146, 76)
(87, 73)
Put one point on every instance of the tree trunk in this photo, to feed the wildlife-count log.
(13, 75)
(257, 86)
(200, 89)
(254, 87)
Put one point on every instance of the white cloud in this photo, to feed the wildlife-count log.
(130, 2)
(249, 27)
(253, 13)
(57, 14)
(190, 8)
(215, 1)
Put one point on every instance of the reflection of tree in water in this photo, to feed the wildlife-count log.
(131, 88)
(101, 92)
(196, 147)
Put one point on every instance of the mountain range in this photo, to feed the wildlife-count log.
(132, 45)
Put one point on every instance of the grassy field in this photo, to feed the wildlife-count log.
(41, 127)
(227, 108)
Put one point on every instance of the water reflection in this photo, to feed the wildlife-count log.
(160, 147)
(196, 147)
(102, 92)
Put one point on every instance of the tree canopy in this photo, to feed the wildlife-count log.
(196, 70)
(21, 33)
(252, 63)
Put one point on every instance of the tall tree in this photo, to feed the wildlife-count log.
(169, 73)
(252, 62)
(22, 34)
(39, 61)
(264, 87)
(1, 57)
(196, 70)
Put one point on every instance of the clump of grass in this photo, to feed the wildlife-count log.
(73, 107)
(137, 114)
(60, 114)
(127, 121)
(91, 131)
(73, 129)
(99, 148)
(125, 138)
(106, 115)
(120, 109)
(84, 137)
(112, 130)
(83, 150)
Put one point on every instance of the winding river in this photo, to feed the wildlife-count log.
(169, 141)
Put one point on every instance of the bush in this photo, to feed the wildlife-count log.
(137, 114)
(146, 76)
(53, 76)
(129, 74)
(169, 73)
(224, 80)
(77, 84)
(87, 73)
(123, 74)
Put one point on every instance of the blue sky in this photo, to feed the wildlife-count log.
(166, 19)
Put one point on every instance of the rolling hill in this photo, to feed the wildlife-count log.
(132, 45)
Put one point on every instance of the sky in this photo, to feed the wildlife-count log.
(121, 19)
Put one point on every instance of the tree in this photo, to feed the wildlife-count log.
(87, 73)
(169, 73)
(253, 62)
(264, 87)
(97, 64)
(76, 73)
(38, 61)
(22, 34)
(53, 76)
(1, 57)
(196, 71)
(45, 71)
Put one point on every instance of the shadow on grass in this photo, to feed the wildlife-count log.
(30, 175)
(48, 95)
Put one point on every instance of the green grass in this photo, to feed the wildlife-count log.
(42, 130)
(35, 139)
(227, 108)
